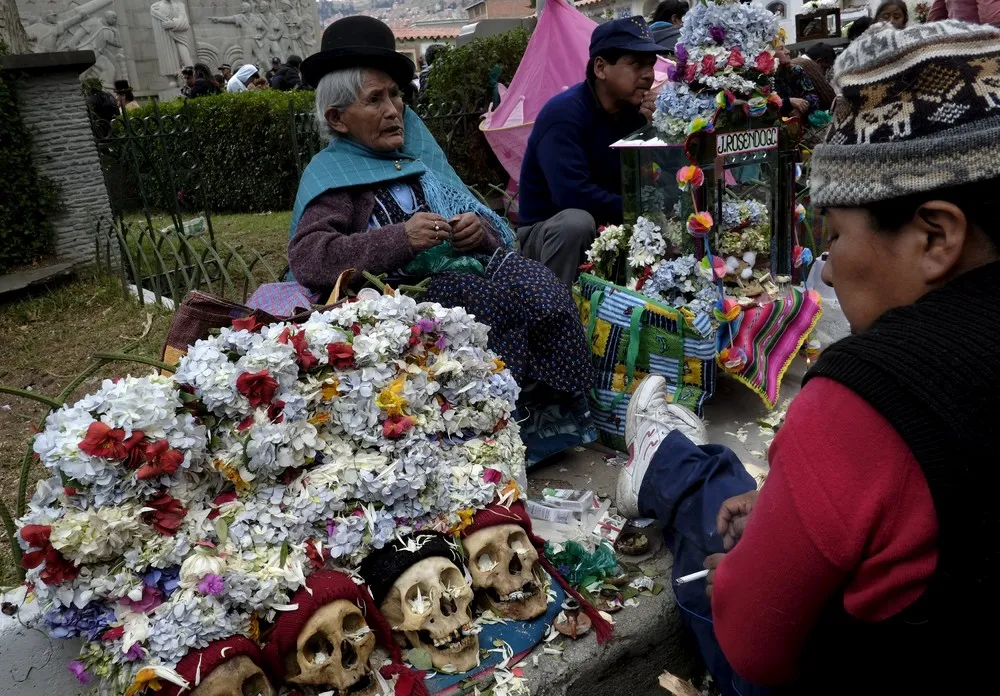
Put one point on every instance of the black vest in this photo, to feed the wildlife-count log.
(932, 369)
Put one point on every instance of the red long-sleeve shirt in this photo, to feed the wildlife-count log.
(845, 505)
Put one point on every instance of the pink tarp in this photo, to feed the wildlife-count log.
(556, 58)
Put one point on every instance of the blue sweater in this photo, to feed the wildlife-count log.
(568, 163)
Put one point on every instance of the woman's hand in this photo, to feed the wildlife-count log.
(733, 516)
(469, 232)
(426, 230)
(712, 562)
(800, 105)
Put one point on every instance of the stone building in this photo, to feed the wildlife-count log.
(148, 41)
(499, 9)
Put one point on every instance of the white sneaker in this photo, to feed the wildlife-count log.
(648, 422)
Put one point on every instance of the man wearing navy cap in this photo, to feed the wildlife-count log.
(570, 178)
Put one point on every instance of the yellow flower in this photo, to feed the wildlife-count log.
(146, 678)
(320, 418)
(331, 389)
(498, 365)
(391, 398)
(231, 473)
(464, 520)
(254, 633)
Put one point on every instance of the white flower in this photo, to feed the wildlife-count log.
(647, 245)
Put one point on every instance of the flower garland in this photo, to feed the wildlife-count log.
(181, 511)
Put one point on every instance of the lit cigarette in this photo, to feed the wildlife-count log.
(692, 577)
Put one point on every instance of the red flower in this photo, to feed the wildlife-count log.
(249, 323)
(160, 460)
(414, 335)
(113, 633)
(708, 66)
(492, 476)
(258, 387)
(245, 423)
(341, 355)
(275, 411)
(736, 59)
(396, 426)
(303, 355)
(166, 515)
(764, 62)
(109, 443)
(690, 71)
(356, 329)
(70, 491)
(219, 501)
(57, 569)
(316, 556)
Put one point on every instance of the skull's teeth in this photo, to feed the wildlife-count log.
(453, 641)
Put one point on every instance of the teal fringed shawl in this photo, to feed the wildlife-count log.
(344, 163)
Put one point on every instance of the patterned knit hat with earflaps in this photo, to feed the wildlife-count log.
(919, 110)
(322, 588)
(196, 665)
(497, 514)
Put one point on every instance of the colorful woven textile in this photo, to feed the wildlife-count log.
(771, 336)
(630, 337)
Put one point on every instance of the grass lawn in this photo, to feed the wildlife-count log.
(47, 338)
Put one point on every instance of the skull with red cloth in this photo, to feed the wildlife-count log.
(230, 667)
(327, 641)
(508, 566)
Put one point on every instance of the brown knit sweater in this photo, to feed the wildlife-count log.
(822, 87)
(333, 236)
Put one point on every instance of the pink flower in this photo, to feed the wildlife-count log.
(690, 72)
(699, 224)
(212, 584)
(736, 59)
(492, 476)
(151, 598)
(690, 177)
(395, 427)
(77, 669)
(708, 66)
(764, 62)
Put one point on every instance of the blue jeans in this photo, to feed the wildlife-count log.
(684, 488)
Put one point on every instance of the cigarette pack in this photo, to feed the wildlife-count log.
(568, 499)
(556, 515)
(610, 527)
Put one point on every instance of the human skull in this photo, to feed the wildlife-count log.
(239, 676)
(505, 571)
(430, 605)
(332, 651)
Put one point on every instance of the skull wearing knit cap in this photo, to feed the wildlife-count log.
(327, 640)
(919, 110)
(421, 586)
(498, 516)
(229, 667)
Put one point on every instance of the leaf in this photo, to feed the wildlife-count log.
(657, 588)
(221, 530)
(629, 593)
(588, 581)
(649, 570)
(646, 593)
(284, 555)
(420, 659)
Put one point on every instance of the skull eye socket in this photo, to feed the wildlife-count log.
(254, 685)
(318, 649)
(518, 542)
(452, 581)
(485, 562)
(418, 598)
(355, 628)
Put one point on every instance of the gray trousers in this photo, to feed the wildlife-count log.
(560, 243)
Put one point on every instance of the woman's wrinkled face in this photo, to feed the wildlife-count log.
(894, 16)
(782, 54)
(873, 271)
(375, 119)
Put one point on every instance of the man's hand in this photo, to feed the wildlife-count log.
(801, 106)
(733, 516)
(426, 230)
(648, 105)
(712, 562)
(469, 232)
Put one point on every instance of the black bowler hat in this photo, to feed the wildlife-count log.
(358, 42)
(122, 86)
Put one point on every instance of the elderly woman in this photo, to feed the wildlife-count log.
(382, 198)
(867, 562)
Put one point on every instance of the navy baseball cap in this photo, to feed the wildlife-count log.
(632, 35)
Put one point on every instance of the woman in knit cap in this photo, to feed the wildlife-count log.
(868, 560)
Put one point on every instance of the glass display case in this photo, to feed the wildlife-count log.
(749, 179)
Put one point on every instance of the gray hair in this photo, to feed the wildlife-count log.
(337, 90)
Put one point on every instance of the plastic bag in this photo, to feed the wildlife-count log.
(442, 259)
(581, 567)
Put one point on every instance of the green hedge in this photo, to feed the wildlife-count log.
(27, 197)
(462, 75)
(240, 143)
